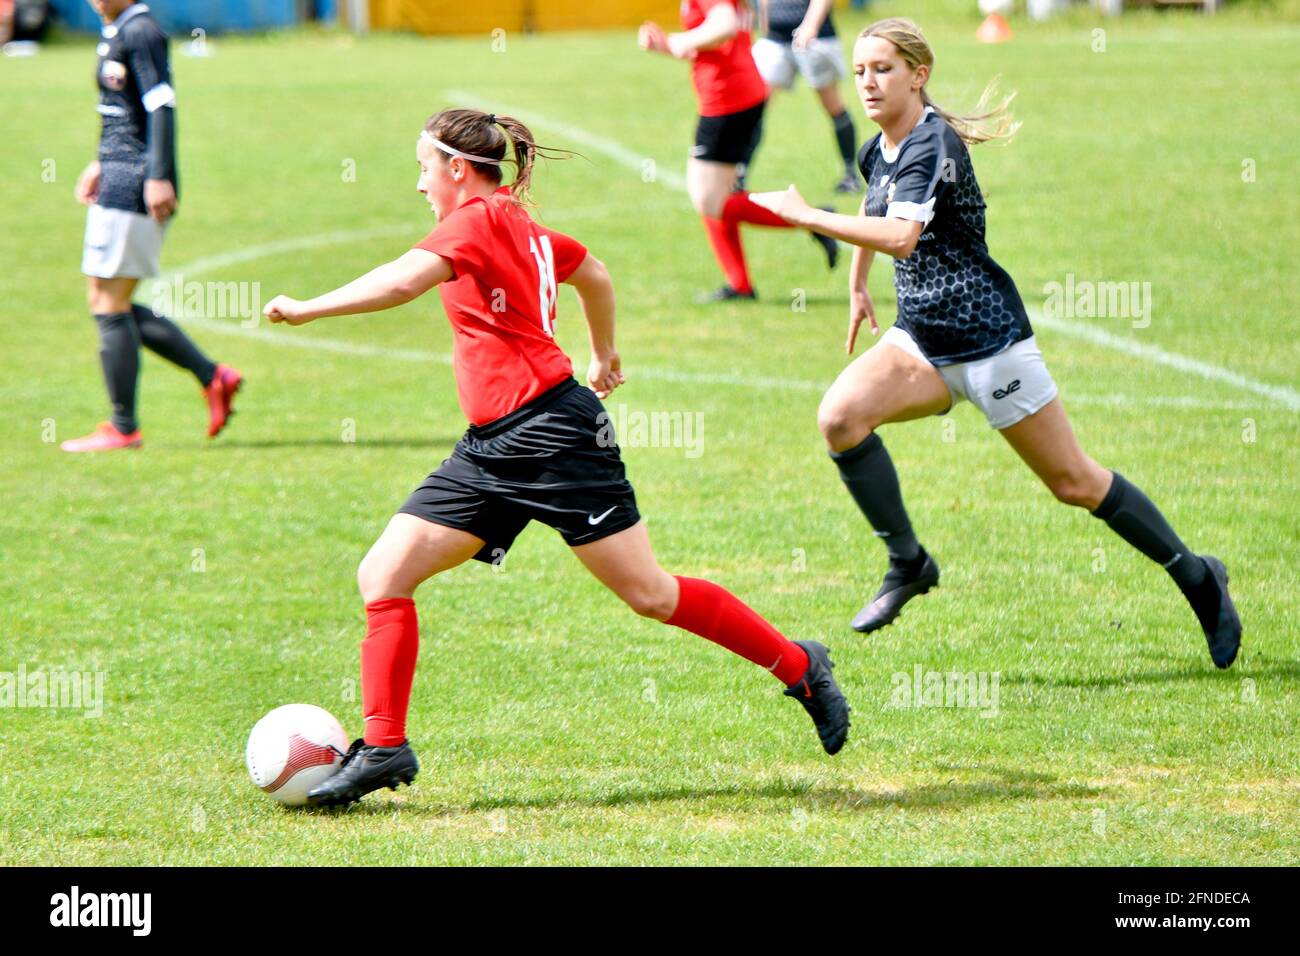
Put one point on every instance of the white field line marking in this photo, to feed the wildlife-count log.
(614, 150)
(1286, 397)
(294, 340)
(249, 253)
(1281, 394)
(299, 341)
(291, 339)
(280, 246)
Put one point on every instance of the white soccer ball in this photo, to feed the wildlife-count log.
(1001, 7)
(292, 749)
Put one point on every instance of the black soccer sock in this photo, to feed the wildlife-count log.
(1133, 516)
(161, 335)
(845, 138)
(869, 473)
(119, 355)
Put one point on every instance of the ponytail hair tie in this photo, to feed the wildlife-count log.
(492, 119)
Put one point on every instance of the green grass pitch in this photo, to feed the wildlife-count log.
(211, 581)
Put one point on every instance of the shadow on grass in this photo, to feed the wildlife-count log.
(998, 784)
(324, 442)
(622, 797)
(808, 299)
(1258, 667)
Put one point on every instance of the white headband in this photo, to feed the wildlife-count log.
(425, 134)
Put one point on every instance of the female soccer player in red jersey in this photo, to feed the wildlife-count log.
(537, 445)
(731, 96)
(961, 333)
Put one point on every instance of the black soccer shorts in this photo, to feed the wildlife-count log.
(729, 138)
(553, 459)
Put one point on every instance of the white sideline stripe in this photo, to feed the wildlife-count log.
(311, 343)
(1280, 394)
(614, 150)
(299, 340)
(249, 253)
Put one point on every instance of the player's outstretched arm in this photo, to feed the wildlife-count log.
(392, 284)
(596, 293)
(890, 235)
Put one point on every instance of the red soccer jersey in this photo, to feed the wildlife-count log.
(501, 302)
(726, 79)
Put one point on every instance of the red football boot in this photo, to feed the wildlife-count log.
(104, 438)
(220, 394)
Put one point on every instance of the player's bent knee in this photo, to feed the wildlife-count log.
(841, 427)
(656, 603)
(101, 302)
(367, 581)
(378, 583)
(1070, 490)
(104, 297)
(710, 206)
(706, 200)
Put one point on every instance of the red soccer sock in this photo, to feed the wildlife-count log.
(740, 208)
(724, 237)
(387, 668)
(715, 613)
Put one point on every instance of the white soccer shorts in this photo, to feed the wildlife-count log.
(1006, 387)
(820, 63)
(121, 244)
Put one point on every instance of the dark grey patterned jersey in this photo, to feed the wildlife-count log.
(953, 299)
(784, 17)
(136, 101)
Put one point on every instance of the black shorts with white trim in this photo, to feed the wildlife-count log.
(554, 459)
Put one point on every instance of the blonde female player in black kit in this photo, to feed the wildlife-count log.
(537, 446)
(961, 333)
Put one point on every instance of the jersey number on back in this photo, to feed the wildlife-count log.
(545, 257)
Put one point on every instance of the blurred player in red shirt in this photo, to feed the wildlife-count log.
(539, 445)
(731, 96)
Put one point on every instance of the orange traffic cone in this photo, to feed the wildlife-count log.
(994, 29)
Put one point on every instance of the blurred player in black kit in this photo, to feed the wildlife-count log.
(131, 191)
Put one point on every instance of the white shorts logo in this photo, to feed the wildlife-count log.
(593, 520)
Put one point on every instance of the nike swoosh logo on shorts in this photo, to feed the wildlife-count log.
(592, 519)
